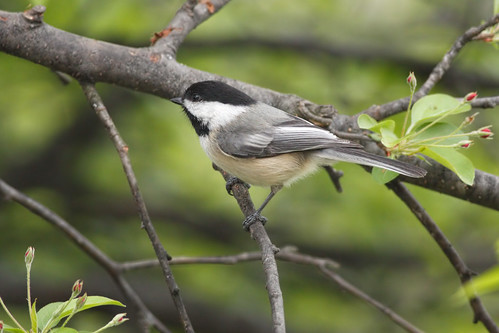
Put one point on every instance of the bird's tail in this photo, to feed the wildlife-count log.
(359, 156)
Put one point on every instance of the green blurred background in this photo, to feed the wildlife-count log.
(351, 53)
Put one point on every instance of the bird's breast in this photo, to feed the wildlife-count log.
(281, 169)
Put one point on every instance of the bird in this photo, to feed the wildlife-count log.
(265, 146)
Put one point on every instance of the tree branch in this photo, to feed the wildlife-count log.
(188, 17)
(101, 111)
(459, 265)
(150, 71)
(258, 233)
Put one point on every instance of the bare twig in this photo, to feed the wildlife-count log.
(345, 285)
(189, 16)
(113, 268)
(289, 254)
(101, 111)
(335, 176)
(259, 234)
(400, 105)
(459, 265)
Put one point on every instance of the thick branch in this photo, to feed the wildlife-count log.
(484, 191)
(144, 69)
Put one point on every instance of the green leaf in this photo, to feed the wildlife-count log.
(383, 176)
(485, 283)
(388, 136)
(366, 121)
(45, 313)
(438, 130)
(10, 329)
(433, 106)
(453, 160)
(34, 319)
(64, 330)
(496, 7)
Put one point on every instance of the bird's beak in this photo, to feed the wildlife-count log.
(177, 100)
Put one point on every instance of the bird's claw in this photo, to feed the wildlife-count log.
(233, 181)
(252, 219)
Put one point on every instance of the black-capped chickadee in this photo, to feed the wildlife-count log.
(265, 146)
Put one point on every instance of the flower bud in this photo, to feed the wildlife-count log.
(1, 326)
(29, 255)
(119, 319)
(470, 97)
(80, 302)
(465, 143)
(470, 119)
(411, 81)
(485, 133)
(77, 287)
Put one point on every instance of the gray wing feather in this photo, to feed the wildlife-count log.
(265, 132)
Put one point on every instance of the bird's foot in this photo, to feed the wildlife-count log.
(233, 181)
(252, 219)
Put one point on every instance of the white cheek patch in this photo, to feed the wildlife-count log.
(214, 114)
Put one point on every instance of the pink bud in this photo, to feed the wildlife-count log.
(1, 325)
(411, 81)
(29, 255)
(119, 319)
(485, 133)
(77, 287)
(80, 302)
(465, 145)
(471, 96)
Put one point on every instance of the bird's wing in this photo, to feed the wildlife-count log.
(283, 133)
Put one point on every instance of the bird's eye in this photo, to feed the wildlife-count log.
(196, 98)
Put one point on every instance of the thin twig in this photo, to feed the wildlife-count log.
(335, 176)
(400, 105)
(459, 265)
(258, 233)
(289, 254)
(12, 194)
(188, 17)
(345, 285)
(101, 111)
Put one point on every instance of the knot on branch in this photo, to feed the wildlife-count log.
(321, 115)
(35, 14)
